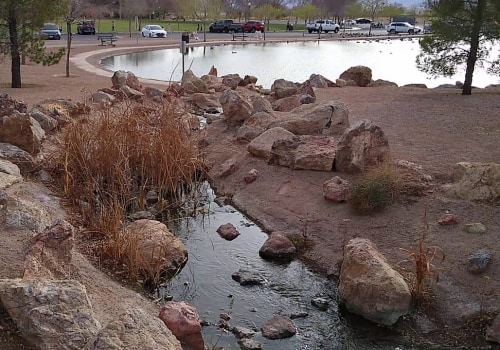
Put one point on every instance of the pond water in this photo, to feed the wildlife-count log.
(206, 283)
(390, 59)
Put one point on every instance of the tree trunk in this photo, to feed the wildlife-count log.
(14, 50)
(68, 46)
(474, 45)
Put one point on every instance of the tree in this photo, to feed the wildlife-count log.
(306, 12)
(353, 9)
(69, 18)
(463, 33)
(201, 10)
(19, 21)
(267, 12)
(372, 7)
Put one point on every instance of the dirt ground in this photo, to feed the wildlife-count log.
(433, 128)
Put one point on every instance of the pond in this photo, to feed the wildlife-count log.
(206, 283)
(389, 59)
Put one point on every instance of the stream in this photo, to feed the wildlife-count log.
(206, 283)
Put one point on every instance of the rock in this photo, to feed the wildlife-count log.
(248, 79)
(160, 253)
(277, 246)
(360, 74)
(152, 197)
(320, 303)
(340, 83)
(206, 103)
(50, 314)
(213, 82)
(184, 322)
(319, 81)
(261, 146)
(254, 126)
(228, 232)
(286, 104)
(249, 344)
(19, 157)
(475, 181)
(414, 176)
(278, 327)
(448, 219)
(25, 215)
(192, 84)
(22, 131)
(251, 176)
(336, 189)
(154, 93)
(284, 88)
(8, 105)
(246, 278)
(478, 262)
(132, 94)
(46, 122)
(242, 332)
(361, 146)
(260, 104)
(475, 227)
(369, 286)
(493, 332)
(62, 110)
(134, 330)
(231, 80)
(415, 85)
(306, 99)
(213, 71)
(304, 152)
(328, 118)
(9, 174)
(103, 98)
(50, 253)
(123, 78)
(236, 107)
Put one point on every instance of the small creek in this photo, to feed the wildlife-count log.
(206, 283)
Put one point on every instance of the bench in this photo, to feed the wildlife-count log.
(238, 35)
(107, 38)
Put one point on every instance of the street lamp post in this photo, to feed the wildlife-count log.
(249, 6)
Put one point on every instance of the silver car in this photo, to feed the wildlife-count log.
(403, 27)
(153, 31)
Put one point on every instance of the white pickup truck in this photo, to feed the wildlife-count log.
(323, 26)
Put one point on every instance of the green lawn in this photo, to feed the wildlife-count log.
(122, 25)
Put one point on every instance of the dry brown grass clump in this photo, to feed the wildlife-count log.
(110, 161)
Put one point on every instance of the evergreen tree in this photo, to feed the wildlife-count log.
(463, 33)
(20, 22)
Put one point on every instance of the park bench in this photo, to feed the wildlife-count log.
(238, 35)
(107, 38)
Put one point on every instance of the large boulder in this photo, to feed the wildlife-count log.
(213, 82)
(336, 189)
(158, 253)
(134, 330)
(19, 157)
(46, 122)
(261, 146)
(62, 110)
(21, 130)
(206, 103)
(304, 152)
(184, 322)
(236, 106)
(192, 84)
(50, 314)
(369, 286)
(360, 74)
(328, 118)
(26, 215)
(260, 104)
(231, 80)
(254, 126)
(9, 174)
(277, 247)
(475, 181)
(361, 146)
(284, 88)
(278, 327)
(122, 78)
(286, 104)
(319, 81)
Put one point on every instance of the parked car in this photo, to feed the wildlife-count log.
(348, 23)
(364, 23)
(428, 29)
(153, 31)
(323, 26)
(85, 27)
(225, 26)
(50, 31)
(402, 27)
(253, 26)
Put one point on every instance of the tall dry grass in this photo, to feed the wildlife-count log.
(109, 161)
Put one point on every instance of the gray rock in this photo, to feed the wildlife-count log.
(46, 122)
(249, 344)
(19, 157)
(242, 332)
(245, 278)
(320, 303)
(475, 227)
(278, 327)
(21, 130)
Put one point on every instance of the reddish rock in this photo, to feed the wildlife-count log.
(184, 322)
(448, 219)
(228, 232)
(336, 189)
(251, 176)
(277, 246)
(278, 327)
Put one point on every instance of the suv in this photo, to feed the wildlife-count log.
(50, 31)
(225, 26)
(84, 27)
(253, 26)
(402, 27)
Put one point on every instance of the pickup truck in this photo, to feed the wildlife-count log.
(225, 26)
(324, 26)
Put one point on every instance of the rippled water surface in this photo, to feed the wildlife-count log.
(392, 60)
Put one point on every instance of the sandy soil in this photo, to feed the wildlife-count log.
(433, 128)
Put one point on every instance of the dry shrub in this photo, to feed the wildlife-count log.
(375, 189)
(110, 161)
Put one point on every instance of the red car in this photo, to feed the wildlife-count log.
(253, 26)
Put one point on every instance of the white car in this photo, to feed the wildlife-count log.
(153, 31)
(349, 23)
(402, 27)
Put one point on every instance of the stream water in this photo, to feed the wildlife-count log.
(206, 283)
